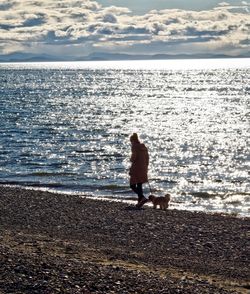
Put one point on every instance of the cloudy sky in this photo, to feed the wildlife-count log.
(80, 27)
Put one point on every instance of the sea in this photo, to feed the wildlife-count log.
(65, 128)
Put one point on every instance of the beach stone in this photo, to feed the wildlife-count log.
(100, 247)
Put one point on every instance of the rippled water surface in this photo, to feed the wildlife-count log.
(66, 126)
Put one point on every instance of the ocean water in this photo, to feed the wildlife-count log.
(66, 126)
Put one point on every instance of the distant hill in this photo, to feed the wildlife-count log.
(118, 56)
(99, 56)
(29, 57)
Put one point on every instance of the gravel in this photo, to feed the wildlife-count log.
(54, 243)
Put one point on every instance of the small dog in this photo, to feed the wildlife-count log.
(161, 201)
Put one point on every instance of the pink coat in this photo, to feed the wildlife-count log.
(139, 168)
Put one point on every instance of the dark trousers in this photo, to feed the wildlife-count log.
(137, 188)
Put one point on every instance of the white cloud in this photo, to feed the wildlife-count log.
(223, 4)
(79, 27)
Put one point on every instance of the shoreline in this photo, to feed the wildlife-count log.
(56, 243)
(128, 200)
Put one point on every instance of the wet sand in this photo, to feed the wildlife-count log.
(52, 243)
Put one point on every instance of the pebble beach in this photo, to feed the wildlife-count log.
(55, 243)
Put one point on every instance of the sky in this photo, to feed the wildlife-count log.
(78, 28)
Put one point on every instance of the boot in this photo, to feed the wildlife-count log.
(140, 198)
(141, 203)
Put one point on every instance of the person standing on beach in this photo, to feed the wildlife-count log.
(139, 168)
